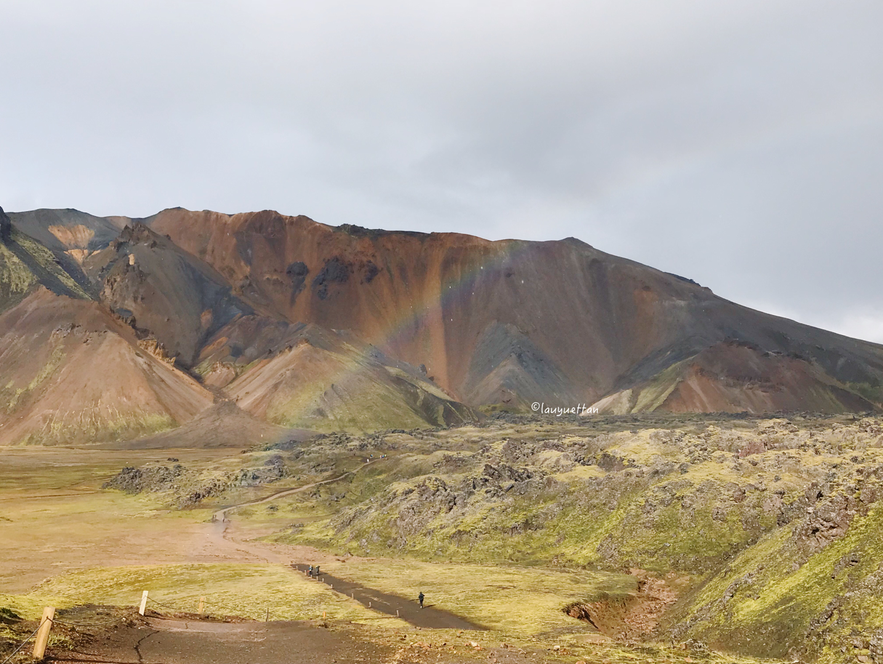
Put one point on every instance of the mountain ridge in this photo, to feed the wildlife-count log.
(489, 324)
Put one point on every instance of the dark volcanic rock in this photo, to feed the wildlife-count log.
(335, 271)
(138, 480)
(5, 228)
(297, 272)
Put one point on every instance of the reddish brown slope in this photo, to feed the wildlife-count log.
(733, 377)
(70, 373)
(458, 304)
(494, 322)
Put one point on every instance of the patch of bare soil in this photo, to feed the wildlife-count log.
(632, 617)
(72, 629)
(182, 639)
(177, 641)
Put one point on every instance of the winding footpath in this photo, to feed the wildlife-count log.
(221, 515)
(391, 605)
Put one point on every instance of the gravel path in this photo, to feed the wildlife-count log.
(407, 609)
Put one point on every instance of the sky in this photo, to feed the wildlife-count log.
(739, 144)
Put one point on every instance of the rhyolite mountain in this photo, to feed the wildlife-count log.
(308, 325)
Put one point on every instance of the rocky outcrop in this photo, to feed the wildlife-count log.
(188, 487)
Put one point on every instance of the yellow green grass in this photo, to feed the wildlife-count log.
(514, 600)
(772, 596)
(17, 279)
(230, 589)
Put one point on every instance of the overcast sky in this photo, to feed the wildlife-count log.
(738, 143)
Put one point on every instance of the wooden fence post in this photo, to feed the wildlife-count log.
(42, 639)
(143, 606)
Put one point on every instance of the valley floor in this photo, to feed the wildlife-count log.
(197, 536)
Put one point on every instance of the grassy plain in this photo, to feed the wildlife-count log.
(522, 559)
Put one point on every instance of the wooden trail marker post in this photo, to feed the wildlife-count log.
(143, 606)
(201, 605)
(42, 639)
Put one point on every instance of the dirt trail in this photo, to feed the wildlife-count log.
(224, 543)
(221, 515)
(170, 641)
(393, 605)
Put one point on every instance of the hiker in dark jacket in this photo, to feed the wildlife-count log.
(420, 599)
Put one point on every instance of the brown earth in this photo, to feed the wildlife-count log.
(71, 373)
(735, 377)
(633, 617)
(175, 641)
(221, 425)
(323, 380)
(165, 291)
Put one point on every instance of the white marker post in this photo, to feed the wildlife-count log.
(42, 639)
(143, 606)
(201, 604)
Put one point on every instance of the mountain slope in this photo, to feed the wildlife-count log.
(71, 373)
(76, 233)
(26, 264)
(328, 381)
(509, 322)
(737, 377)
(163, 291)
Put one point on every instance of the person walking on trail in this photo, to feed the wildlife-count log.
(310, 571)
(317, 571)
(420, 598)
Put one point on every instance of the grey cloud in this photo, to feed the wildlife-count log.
(735, 143)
